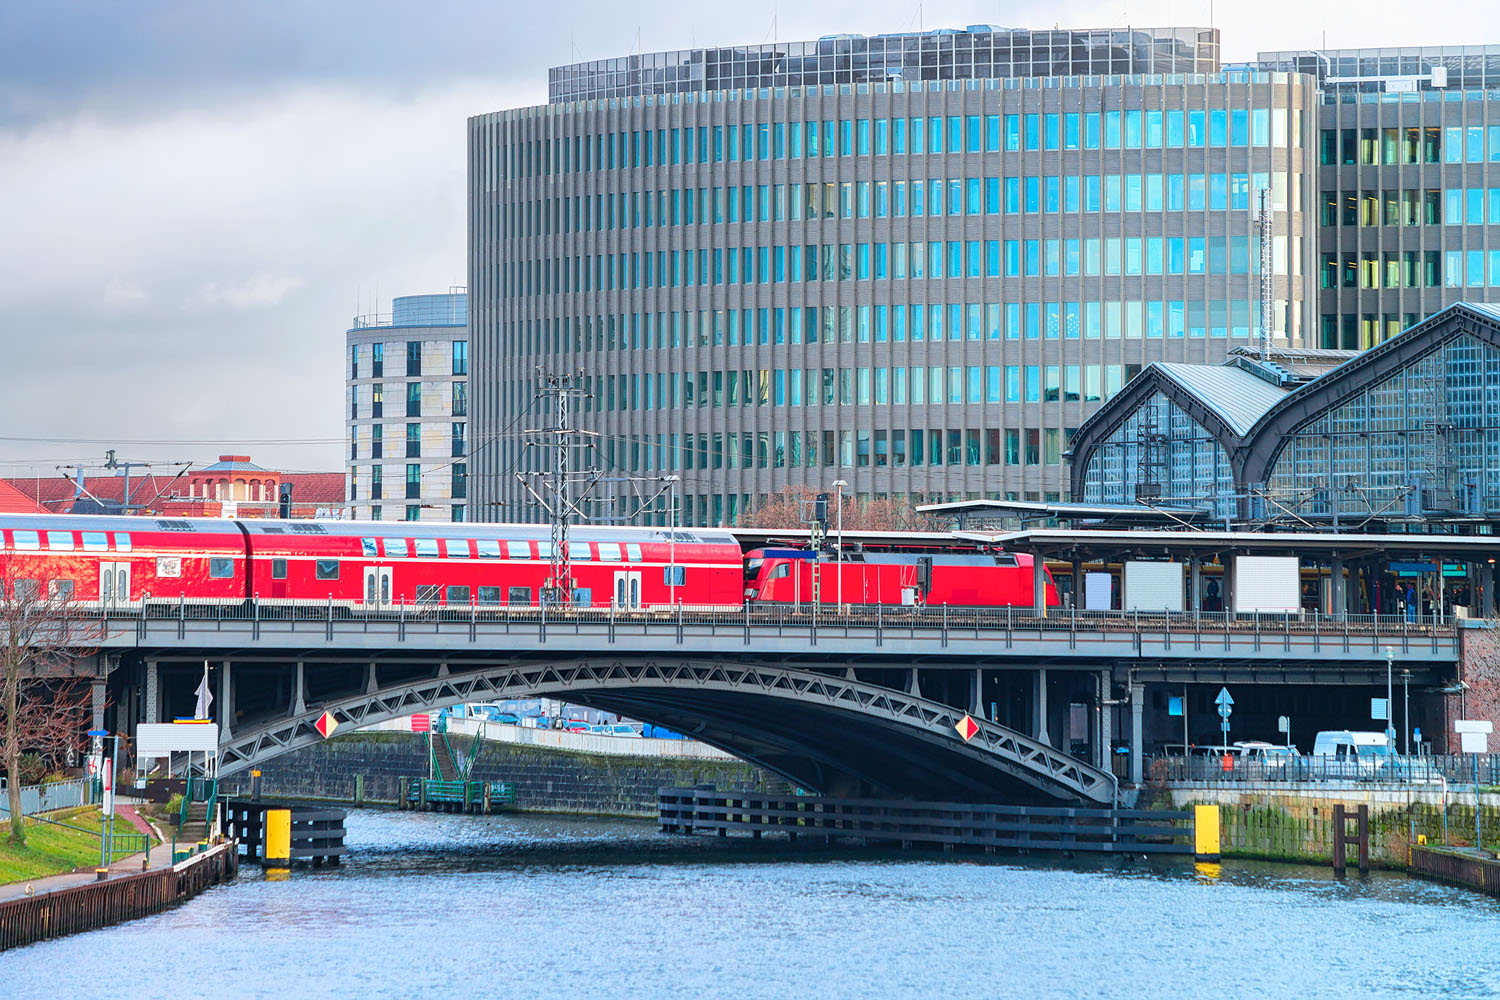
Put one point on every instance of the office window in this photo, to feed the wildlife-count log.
(460, 357)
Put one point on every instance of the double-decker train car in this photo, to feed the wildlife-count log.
(379, 564)
(116, 560)
(786, 576)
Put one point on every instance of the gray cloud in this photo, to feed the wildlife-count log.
(193, 194)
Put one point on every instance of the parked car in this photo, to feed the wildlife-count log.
(1267, 759)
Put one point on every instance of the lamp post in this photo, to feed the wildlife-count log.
(1405, 712)
(672, 482)
(838, 487)
(1390, 728)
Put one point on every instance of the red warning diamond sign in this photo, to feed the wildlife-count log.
(326, 724)
(967, 728)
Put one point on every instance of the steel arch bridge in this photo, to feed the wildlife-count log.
(821, 729)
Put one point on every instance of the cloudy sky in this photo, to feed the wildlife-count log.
(196, 196)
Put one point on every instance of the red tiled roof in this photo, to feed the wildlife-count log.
(13, 501)
(315, 487)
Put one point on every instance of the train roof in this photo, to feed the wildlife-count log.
(361, 529)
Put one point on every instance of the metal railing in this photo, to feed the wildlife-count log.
(947, 617)
(48, 796)
(1429, 769)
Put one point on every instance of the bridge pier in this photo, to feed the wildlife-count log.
(1137, 721)
(976, 694)
(1106, 722)
(152, 683)
(1039, 706)
(226, 701)
(299, 704)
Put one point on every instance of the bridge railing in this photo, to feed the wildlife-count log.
(1427, 769)
(947, 618)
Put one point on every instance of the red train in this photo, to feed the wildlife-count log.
(114, 560)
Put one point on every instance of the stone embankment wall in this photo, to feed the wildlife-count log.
(546, 779)
(1284, 825)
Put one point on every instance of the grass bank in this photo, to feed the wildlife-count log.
(51, 849)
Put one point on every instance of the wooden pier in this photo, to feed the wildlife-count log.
(940, 824)
(314, 833)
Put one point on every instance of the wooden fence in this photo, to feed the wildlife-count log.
(101, 904)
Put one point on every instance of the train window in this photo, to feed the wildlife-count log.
(489, 595)
(458, 548)
(458, 595)
(168, 566)
(427, 547)
(517, 550)
(328, 569)
(220, 569)
(609, 552)
(428, 593)
(668, 572)
(26, 539)
(60, 541)
(488, 548)
(122, 541)
(519, 595)
(580, 552)
(784, 570)
(95, 541)
(633, 552)
(278, 569)
(583, 597)
(395, 548)
(60, 590)
(367, 547)
(27, 590)
(544, 549)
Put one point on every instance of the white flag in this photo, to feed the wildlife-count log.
(205, 696)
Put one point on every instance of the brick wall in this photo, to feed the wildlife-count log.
(1480, 670)
(545, 778)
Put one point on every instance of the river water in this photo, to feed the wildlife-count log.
(539, 906)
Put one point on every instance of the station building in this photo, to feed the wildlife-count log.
(1403, 438)
(406, 397)
(918, 263)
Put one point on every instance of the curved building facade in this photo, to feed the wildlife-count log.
(917, 273)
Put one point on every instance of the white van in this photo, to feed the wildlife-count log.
(1345, 753)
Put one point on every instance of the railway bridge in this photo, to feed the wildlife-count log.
(859, 701)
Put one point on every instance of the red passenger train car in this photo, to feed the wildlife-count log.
(785, 576)
(113, 560)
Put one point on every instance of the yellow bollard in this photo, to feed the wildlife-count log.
(278, 836)
(1206, 833)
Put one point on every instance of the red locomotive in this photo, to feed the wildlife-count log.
(797, 576)
(373, 565)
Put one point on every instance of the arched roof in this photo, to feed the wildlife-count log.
(1225, 400)
(1257, 452)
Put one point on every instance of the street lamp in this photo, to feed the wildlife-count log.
(672, 482)
(1390, 728)
(839, 553)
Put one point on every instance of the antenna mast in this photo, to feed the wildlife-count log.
(1265, 274)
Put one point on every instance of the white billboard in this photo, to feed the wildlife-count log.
(1267, 584)
(1153, 586)
(161, 739)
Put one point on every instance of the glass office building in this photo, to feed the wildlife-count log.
(916, 263)
(1408, 178)
(407, 403)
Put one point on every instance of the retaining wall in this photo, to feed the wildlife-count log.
(546, 779)
(1290, 825)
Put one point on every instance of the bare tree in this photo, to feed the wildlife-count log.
(44, 705)
(788, 509)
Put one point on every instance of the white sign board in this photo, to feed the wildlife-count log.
(1267, 584)
(162, 739)
(1097, 591)
(1152, 586)
(1473, 735)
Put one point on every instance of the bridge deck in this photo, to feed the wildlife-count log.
(873, 631)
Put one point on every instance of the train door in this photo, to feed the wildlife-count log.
(628, 590)
(377, 586)
(114, 584)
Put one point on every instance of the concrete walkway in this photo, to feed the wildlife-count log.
(160, 857)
